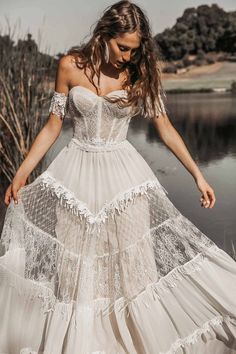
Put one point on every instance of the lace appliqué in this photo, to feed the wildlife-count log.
(58, 104)
(79, 208)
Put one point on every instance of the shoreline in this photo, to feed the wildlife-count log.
(218, 77)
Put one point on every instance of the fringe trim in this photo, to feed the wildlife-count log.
(79, 208)
(196, 335)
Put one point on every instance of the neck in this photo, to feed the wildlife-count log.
(110, 70)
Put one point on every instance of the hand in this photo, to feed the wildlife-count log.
(208, 198)
(11, 192)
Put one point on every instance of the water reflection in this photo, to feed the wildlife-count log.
(207, 124)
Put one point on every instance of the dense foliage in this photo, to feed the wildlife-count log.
(205, 28)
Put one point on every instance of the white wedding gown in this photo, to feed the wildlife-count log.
(95, 259)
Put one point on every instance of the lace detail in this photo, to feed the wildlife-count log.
(165, 284)
(105, 305)
(58, 104)
(141, 238)
(196, 335)
(117, 205)
(96, 119)
(128, 252)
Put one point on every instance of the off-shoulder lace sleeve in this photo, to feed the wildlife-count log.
(159, 106)
(58, 104)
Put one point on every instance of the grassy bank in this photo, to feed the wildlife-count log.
(208, 78)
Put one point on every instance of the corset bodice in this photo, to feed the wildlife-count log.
(97, 121)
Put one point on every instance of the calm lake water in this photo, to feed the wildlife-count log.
(207, 124)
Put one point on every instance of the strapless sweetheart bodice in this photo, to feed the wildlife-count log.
(96, 120)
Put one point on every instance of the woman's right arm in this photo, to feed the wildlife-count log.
(44, 139)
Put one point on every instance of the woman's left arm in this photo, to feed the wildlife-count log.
(175, 143)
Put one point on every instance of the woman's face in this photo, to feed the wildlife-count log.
(122, 47)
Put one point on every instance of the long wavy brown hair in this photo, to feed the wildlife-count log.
(143, 84)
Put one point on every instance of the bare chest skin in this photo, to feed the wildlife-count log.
(110, 79)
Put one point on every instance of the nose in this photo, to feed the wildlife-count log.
(126, 56)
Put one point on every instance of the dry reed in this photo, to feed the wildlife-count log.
(24, 95)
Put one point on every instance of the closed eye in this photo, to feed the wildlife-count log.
(125, 49)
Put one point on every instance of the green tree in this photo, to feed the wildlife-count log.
(207, 28)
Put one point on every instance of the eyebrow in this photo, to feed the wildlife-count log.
(125, 46)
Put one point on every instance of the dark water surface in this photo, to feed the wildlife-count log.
(207, 124)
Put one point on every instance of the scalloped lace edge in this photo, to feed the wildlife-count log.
(117, 204)
(156, 289)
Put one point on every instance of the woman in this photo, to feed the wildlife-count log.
(97, 258)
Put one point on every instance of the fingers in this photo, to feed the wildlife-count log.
(10, 192)
(212, 198)
(15, 196)
(208, 199)
(8, 195)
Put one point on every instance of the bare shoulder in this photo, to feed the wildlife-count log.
(66, 63)
(63, 74)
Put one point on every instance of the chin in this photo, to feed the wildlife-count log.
(115, 64)
(120, 66)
